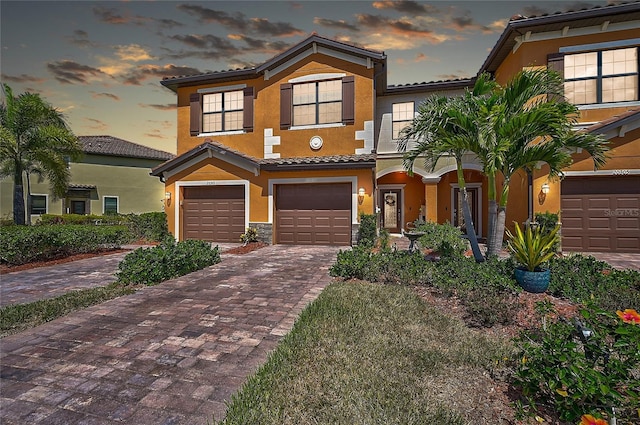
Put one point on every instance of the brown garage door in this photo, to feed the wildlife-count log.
(601, 214)
(213, 213)
(313, 214)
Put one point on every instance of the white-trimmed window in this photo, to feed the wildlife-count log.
(110, 205)
(38, 204)
(222, 111)
(317, 102)
(604, 76)
(402, 116)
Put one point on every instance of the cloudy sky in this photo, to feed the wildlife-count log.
(101, 62)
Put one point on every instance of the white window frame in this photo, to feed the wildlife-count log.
(117, 203)
(223, 112)
(394, 120)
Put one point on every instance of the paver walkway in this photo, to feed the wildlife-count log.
(169, 354)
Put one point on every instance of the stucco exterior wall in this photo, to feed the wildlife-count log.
(338, 140)
(126, 178)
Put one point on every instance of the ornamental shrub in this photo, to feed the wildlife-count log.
(367, 230)
(584, 278)
(445, 239)
(112, 219)
(24, 244)
(579, 373)
(151, 226)
(168, 260)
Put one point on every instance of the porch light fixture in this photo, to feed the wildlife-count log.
(361, 194)
(167, 196)
(545, 188)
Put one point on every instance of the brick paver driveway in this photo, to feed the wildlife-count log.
(170, 354)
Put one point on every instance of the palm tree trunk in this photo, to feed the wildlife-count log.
(466, 212)
(28, 221)
(18, 197)
(494, 245)
(492, 220)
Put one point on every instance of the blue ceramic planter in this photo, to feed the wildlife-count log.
(536, 281)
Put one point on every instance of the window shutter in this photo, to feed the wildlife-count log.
(247, 116)
(286, 97)
(348, 100)
(555, 62)
(196, 114)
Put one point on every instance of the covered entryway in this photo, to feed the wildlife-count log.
(313, 214)
(213, 213)
(601, 214)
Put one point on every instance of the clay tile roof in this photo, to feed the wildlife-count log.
(632, 115)
(82, 186)
(112, 146)
(332, 159)
(519, 25)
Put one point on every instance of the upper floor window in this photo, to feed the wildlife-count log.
(402, 116)
(222, 111)
(601, 77)
(318, 102)
(38, 204)
(310, 103)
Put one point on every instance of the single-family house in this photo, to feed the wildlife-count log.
(111, 177)
(597, 52)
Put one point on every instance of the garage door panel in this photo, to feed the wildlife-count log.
(601, 214)
(214, 213)
(572, 204)
(629, 243)
(599, 223)
(598, 203)
(627, 223)
(313, 214)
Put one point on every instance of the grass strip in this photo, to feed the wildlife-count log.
(18, 317)
(365, 353)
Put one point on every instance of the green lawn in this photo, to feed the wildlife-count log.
(366, 353)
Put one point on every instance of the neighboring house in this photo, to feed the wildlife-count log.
(597, 52)
(286, 147)
(111, 177)
(302, 144)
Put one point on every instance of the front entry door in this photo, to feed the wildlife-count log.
(391, 209)
(456, 208)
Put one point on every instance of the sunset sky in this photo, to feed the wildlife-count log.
(101, 62)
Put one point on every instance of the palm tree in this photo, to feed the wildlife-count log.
(445, 127)
(525, 123)
(34, 138)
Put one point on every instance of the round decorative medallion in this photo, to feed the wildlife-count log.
(315, 142)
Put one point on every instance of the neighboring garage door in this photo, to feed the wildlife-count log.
(313, 214)
(213, 213)
(601, 214)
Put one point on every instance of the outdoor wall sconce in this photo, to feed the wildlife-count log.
(545, 188)
(361, 194)
(167, 196)
(542, 196)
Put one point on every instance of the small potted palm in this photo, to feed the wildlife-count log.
(532, 248)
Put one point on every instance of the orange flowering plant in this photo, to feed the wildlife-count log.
(590, 420)
(629, 316)
(577, 372)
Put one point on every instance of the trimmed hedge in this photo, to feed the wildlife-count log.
(151, 226)
(168, 260)
(24, 244)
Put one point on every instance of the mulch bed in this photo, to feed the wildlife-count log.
(252, 246)
(5, 268)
